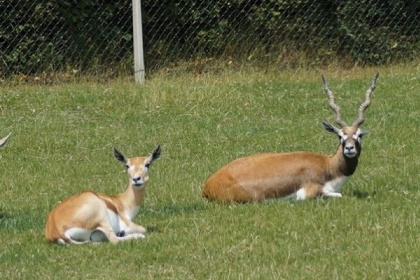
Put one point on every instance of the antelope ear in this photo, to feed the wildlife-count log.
(155, 155)
(330, 128)
(119, 156)
(363, 133)
(156, 152)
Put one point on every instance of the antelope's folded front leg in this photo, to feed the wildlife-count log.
(135, 228)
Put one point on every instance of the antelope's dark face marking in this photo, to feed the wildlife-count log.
(350, 138)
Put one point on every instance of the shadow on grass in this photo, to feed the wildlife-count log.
(363, 194)
(171, 210)
(3, 218)
(21, 221)
(176, 209)
(4, 215)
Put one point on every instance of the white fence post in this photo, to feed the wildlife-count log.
(139, 71)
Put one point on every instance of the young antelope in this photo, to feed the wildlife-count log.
(94, 217)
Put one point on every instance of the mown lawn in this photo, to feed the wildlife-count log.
(62, 140)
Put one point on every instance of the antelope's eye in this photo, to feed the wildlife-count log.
(126, 166)
(147, 165)
(357, 137)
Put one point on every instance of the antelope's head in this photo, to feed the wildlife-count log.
(138, 168)
(350, 136)
(4, 140)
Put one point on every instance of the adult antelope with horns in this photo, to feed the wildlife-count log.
(298, 175)
(4, 140)
(94, 217)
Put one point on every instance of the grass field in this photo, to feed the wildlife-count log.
(62, 140)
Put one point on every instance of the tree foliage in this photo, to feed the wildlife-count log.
(41, 35)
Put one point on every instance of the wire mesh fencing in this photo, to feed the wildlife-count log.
(93, 37)
(45, 38)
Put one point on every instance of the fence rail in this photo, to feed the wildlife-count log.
(40, 38)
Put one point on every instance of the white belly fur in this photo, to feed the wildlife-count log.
(78, 235)
(334, 186)
(298, 195)
(85, 235)
(331, 188)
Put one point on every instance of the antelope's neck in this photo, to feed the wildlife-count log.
(132, 199)
(343, 165)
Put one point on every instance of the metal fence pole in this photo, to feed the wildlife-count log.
(139, 71)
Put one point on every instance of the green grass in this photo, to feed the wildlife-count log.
(61, 144)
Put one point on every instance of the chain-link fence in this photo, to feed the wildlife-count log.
(45, 38)
(41, 38)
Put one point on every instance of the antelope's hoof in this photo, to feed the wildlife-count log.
(139, 236)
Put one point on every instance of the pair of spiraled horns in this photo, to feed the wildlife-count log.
(361, 117)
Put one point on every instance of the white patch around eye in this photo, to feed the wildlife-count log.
(357, 135)
(343, 137)
(357, 138)
(341, 134)
(130, 169)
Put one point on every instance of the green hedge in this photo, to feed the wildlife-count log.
(367, 32)
(39, 35)
(92, 34)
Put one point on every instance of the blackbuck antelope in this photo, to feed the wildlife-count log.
(94, 217)
(4, 140)
(298, 175)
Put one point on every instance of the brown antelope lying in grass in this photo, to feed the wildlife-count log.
(298, 175)
(94, 217)
(4, 140)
